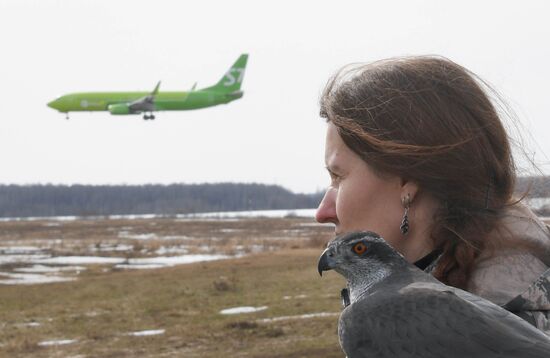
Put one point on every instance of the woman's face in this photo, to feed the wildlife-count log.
(358, 199)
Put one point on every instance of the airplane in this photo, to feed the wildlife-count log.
(226, 90)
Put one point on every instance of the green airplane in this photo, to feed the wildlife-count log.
(121, 103)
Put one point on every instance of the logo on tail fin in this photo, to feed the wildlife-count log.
(233, 75)
(233, 78)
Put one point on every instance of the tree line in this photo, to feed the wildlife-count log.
(99, 200)
(534, 186)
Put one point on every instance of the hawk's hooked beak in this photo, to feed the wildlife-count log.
(326, 262)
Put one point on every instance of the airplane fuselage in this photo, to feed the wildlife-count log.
(163, 101)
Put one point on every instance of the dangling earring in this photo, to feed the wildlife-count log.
(406, 201)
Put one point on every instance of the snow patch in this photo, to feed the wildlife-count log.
(139, 267)
(80, 260)
(294, 297)
(29, 324)
(303, 316)
(151, 332)
(245, 309)
(171, 250)
(10, 259)
(229, 230)
(176, 237)
(315, 224)
(127, 235)
(17, 250)
(49, 269)
(175, 260)
(30, 278)
(58, 342)
(159, 261)
(308, 213)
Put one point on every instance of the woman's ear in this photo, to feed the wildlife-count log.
(408, 188)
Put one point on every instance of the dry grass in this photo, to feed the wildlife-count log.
(100, 308)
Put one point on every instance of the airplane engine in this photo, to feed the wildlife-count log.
(119, 108)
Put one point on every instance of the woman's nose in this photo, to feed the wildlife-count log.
(326, 212)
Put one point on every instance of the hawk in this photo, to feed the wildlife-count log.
(397, 310)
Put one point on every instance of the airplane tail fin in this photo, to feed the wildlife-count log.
(233, 78)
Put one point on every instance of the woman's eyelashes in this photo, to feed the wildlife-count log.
(334, 177)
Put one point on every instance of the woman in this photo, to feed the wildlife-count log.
(417, 152)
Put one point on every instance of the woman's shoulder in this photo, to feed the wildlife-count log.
(517, 276)
(520, 258)
(505, 275)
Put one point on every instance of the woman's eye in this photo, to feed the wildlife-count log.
(334, 177)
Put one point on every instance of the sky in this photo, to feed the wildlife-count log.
(273, 135)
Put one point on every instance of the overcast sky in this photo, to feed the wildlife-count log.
(273, 134)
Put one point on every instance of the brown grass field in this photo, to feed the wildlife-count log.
(276, 269)
(104, 304)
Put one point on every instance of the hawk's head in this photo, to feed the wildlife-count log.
(359, 256)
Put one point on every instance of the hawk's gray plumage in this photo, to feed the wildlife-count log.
(399, 311)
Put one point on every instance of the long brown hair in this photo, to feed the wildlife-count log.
(431, 121)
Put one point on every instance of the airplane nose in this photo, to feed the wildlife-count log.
(59, 103)
(54, 104)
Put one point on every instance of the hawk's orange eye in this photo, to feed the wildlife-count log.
(359, 248)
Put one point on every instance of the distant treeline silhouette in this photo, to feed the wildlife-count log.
(535, 187)
(101, 200)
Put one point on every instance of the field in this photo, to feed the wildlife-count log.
(145, 303)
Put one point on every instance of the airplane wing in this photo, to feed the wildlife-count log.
(144, 104)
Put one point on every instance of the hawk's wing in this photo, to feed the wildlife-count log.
(429, 320)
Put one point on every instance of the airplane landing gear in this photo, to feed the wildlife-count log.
(147, 117)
